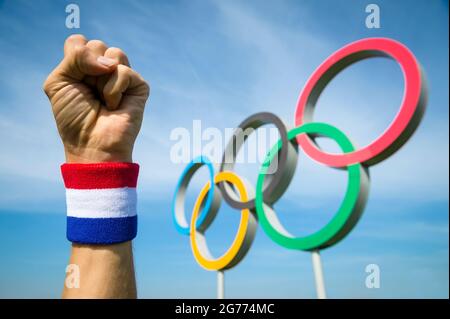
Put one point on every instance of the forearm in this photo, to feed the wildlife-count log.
(106, 271)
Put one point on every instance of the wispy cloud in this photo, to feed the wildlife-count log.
(220, 62)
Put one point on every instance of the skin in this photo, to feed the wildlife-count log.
(98, 103)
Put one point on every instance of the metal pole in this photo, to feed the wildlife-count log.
(318, 275)
(220, 285)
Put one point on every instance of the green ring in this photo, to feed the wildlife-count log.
(349, 211)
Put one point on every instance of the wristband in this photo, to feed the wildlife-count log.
(101, 202)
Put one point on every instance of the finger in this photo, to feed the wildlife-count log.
(73, 41)
(80, 61)
(123, 81)
(117, 54)
(99, 48)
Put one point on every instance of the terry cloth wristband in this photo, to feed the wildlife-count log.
(101, 202)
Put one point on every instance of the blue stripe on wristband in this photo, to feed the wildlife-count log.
(101, 230)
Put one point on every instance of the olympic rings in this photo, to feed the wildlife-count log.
(287, 159)
(349, 212)
(210, 206)
(269, 188)
(244, 236)
(406, 120)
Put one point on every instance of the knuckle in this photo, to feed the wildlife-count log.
(143, 87)
(49, 85)
(77, 56)
(113, 51)
(75, 38)
(125, 70)
(119, 54)
(46, 86)
(96, 44)
(80, 51)
(146, 88)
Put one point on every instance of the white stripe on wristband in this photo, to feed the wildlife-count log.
(101, 203)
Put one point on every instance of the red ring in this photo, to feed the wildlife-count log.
(404, 123)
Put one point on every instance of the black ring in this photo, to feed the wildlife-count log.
(287, 161)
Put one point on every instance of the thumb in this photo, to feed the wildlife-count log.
(82, 61)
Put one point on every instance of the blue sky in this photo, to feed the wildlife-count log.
(219, 62)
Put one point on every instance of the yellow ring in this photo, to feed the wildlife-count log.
(226, 259)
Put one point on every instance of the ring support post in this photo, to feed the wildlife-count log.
(318, 275)
(220, 285)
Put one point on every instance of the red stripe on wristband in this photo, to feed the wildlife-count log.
(100, 175)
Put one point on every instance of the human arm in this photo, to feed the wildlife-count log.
(98, 103)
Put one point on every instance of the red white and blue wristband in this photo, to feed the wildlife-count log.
(101, 202)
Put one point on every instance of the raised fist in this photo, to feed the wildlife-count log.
(97, 100)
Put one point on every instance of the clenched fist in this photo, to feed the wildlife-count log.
(97, 100)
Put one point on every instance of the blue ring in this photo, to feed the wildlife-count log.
(184, 180)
